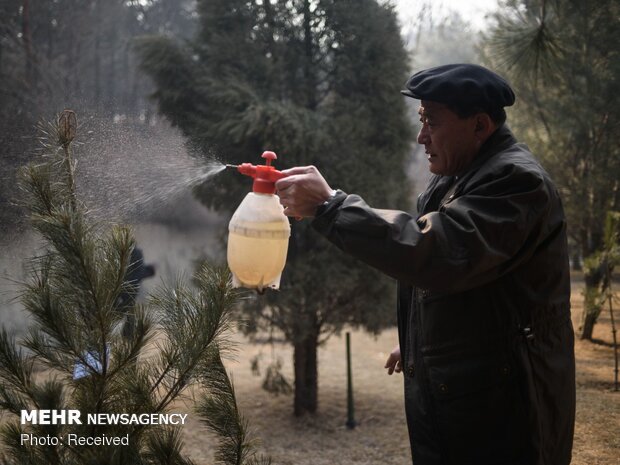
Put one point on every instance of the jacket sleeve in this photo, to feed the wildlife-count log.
(484, 232)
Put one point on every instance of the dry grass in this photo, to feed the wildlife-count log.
(381, 436)
(597, 430)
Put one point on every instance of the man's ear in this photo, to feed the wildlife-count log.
(485, 126)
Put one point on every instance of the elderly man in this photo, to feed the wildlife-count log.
(485, 336)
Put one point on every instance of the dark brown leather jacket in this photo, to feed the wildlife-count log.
(483, 308)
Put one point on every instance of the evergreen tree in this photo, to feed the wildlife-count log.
(76, 338)
(317, 81)
(562, 57)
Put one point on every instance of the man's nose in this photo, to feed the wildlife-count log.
(423, 138)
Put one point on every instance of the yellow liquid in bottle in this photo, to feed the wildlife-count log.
(257, 252)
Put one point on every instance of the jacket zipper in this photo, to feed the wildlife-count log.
(422, 374)
(412, 324)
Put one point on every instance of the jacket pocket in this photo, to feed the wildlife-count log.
(480, 412)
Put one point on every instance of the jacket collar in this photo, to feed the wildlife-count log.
(431, 198)
(500, 140)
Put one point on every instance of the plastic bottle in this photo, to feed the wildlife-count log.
(259, 231)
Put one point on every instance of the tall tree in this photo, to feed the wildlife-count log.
(563, 59)
(317, 81)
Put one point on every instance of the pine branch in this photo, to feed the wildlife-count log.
(218, 410)
(12, 401)
(163, 448)
(40, 194)
(192, 323)
(15, 372)
(60, 336)
(527, 44)
(15, 453)
(127, 351)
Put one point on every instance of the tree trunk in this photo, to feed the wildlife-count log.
(577, 261)
(309, 68)
(592, 303)
(97, 58)
(306, 374)
(27, 40)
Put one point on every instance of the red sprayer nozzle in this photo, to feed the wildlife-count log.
(265, 176)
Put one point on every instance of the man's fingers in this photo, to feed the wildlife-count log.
(302, 190)
(298, 170)
(393, 361)
(286, 182)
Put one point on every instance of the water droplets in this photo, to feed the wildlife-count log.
(129, 173)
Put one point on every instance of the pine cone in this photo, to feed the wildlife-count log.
(67, 126)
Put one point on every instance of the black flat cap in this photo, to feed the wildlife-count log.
(461, 84)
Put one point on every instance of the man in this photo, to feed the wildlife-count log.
(485, 336)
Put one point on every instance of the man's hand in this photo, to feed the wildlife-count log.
(393, 362)
(302, 191)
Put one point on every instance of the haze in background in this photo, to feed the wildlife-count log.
(472, 11)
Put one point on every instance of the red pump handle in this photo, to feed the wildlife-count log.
(269, 156)
(265, 176)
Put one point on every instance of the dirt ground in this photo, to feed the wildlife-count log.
(381, 436)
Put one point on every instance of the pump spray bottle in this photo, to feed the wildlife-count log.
(259, 230)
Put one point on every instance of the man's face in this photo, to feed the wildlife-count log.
(450, 142)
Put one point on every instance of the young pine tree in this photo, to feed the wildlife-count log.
(76, 354)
